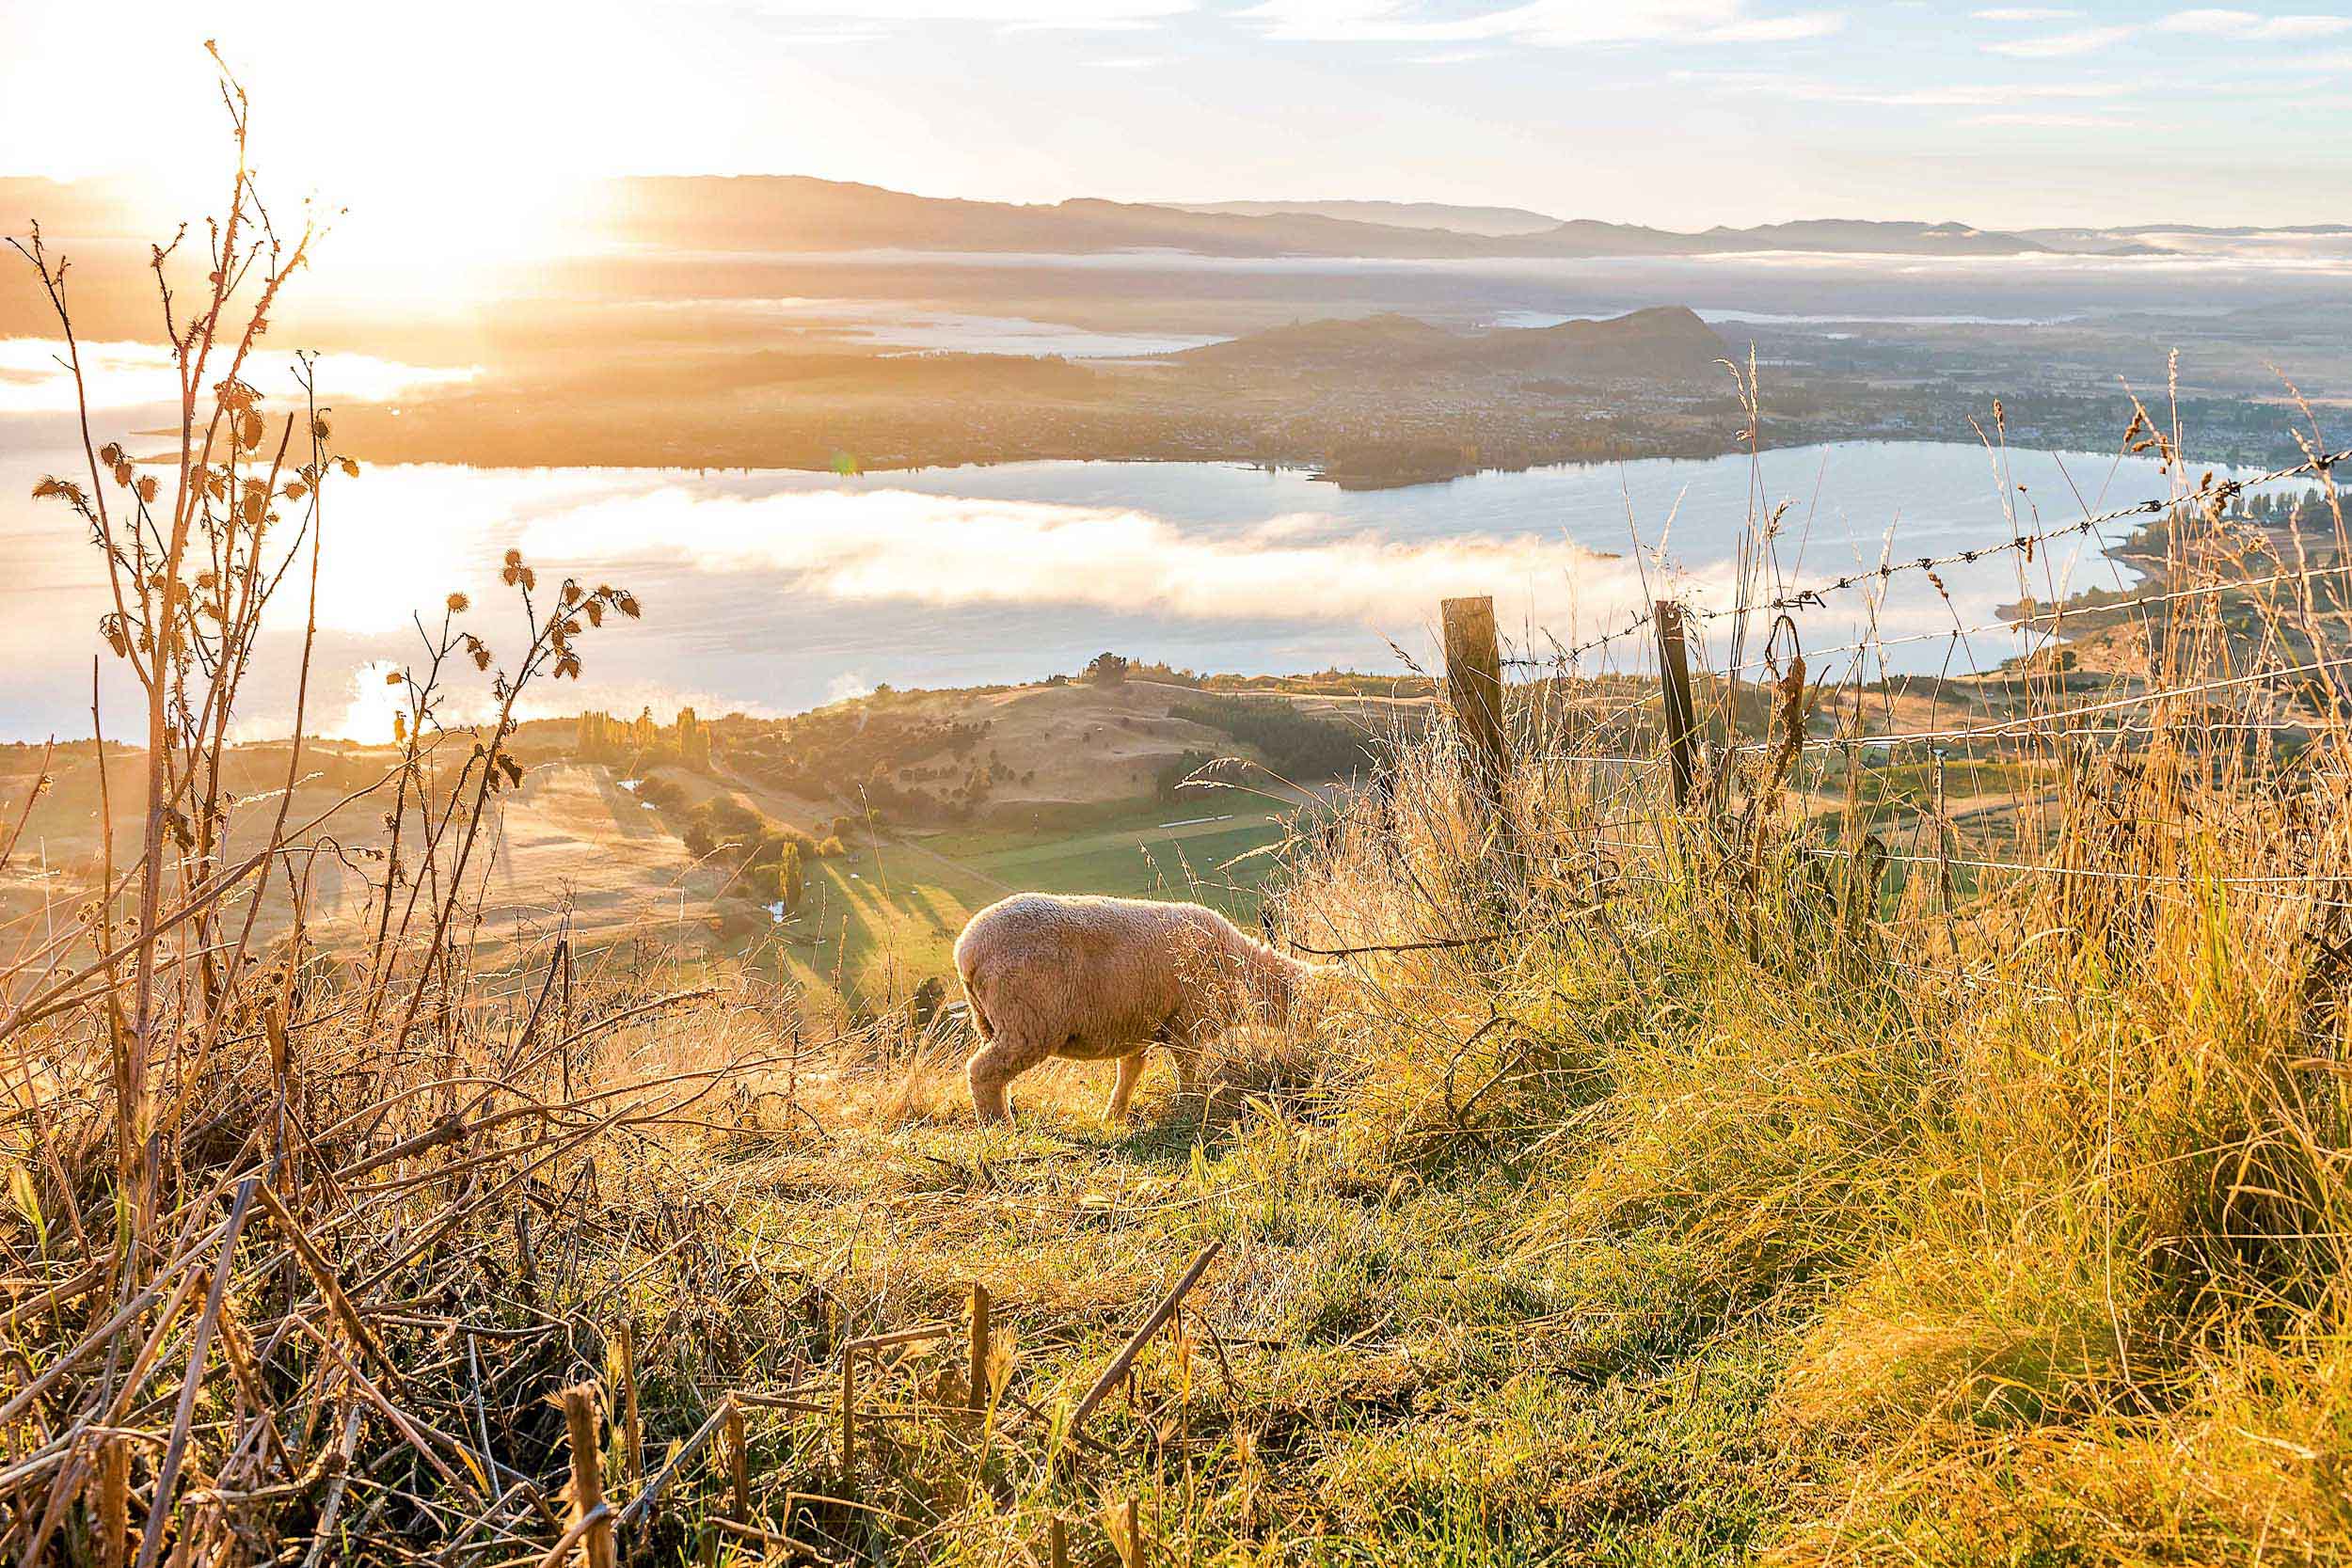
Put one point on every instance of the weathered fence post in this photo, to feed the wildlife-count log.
(1473, 681)
(579, 1424)
(1674, 676)
(976, 1396)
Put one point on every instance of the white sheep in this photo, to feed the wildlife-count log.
(1098, 980)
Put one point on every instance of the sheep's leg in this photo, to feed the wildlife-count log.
(1187, 1056)
(1183, 1038)
(992, 1068)
(1130, 1074)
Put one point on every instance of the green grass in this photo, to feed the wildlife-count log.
(1140, 857)
(1409, 1375)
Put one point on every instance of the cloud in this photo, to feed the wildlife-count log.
(2051, 122)
(896, 545)
(1087, 14)
(1548, 24)
(2024, 13)
(1776, 29)
(2253, 25)
(2058, 46)
(1955, 96)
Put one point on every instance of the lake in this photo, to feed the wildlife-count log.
(770, 591)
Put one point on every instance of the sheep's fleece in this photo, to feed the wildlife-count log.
(1106, 978)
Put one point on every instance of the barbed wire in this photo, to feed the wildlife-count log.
(2270, 886)
(2023, 623)
(2026, 722)
(1816, 597)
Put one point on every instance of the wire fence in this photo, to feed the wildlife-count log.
(2209, 493)
(2123, 738)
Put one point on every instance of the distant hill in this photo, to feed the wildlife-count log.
(791, 212)
(71, 209)
(794, 212)
(776, 212)
(1667, 343)
(1495, 221)
(1855, 236)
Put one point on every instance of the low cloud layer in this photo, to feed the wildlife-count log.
(897, 544)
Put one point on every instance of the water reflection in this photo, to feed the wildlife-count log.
(774, 591)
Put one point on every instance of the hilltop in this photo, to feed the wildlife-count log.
(1663, 343)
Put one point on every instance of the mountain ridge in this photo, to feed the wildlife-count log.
(801, 213)
(790, 213)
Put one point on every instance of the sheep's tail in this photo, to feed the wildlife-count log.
(986, 1030)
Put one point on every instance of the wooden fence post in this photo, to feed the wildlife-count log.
(579, 1424)
(1674, 676)
(977, 1396)
(1473, 682)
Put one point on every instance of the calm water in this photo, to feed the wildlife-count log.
(770, 591)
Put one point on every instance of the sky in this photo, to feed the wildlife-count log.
(1682, 112)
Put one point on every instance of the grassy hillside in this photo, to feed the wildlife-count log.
(1682, 1230)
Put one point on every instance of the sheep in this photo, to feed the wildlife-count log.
(1095, 979)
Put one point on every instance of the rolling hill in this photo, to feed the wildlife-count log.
(1666, 342)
